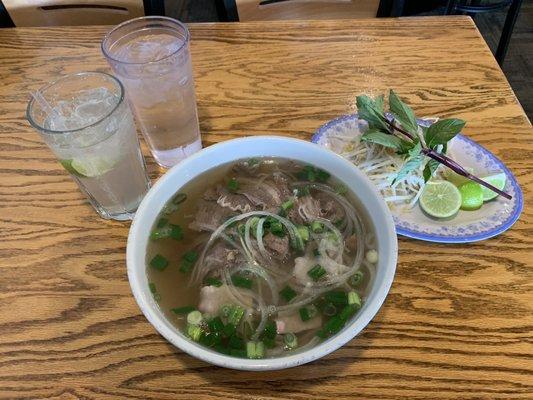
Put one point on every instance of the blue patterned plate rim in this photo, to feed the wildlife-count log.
(506, 224)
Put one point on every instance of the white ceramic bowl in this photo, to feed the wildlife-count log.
(269, 146)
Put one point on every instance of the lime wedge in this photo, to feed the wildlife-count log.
(496, 180)
(92, 166)
(440, 199)
(453, 177)
(471, 195)
(67, 164)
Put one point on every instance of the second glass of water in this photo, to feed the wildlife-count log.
(150, 56)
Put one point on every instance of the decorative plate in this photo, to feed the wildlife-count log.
(493, 218)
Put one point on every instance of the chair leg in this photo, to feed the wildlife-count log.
(507, 31)
(450, 6)
(397, 8)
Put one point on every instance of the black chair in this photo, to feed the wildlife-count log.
(475, 7)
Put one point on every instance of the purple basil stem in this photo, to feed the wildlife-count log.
(447, 161)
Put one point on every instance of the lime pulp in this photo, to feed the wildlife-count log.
(440, 199)
(496, 180)
(471, 195)
(90, 167)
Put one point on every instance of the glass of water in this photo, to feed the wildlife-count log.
(87, 124)
(150, 56)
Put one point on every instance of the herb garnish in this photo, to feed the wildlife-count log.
(402, 133)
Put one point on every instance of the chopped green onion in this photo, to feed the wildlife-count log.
(322, 176)
(152, 288)
(270, 330)
(159, 262)
(229, 329)
(238, 353)
(341, 189)
(276, 228)
(236, 342)
(235, 315)
(269, 343)
(194, 332)
(161, 223)
(303, 231)
(288, 293)
(255, 349)
(332, 326)
(225, 310)
(316, 272)
(233, 185)
(354, 299)
(317, 227)
(213, 282)
(195, 318)
(179, 198)
(356, 279)
(222, 349)
(303, 191)
(253, 226)
(287, 205)
(306, 313)
(336, 297)
(161, 233)
(188, 260)
(290, 340)
(216, 325)
(182, 310)
(185, 266)
(252, 162)
(191, 256)
(348, 311)
(176, 232)
(169, 209)
(241, 281)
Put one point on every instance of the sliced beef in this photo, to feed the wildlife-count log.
(210, 216)
(212, 298)
(351, 243)
(213, 193)
(330, 209)
(234, 201)
(293, 323)
(277, 247)
(306, 209)
(267, 194)
(221, 256)
(281, 183)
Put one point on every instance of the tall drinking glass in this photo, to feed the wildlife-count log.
(150, 56)
(87, 124)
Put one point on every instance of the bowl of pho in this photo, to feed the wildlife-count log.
(261, 253)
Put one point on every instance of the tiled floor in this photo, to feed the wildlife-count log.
(518, 66)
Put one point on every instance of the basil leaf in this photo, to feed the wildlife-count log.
(402, 113)
(370, 112)
(415, 150)
(411, 164)
(442, 131)
(430, 169)
(382, 138)
(379, 102)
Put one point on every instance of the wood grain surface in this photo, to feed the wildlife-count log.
(457, 323)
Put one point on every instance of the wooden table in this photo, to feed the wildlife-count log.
(457, 322)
